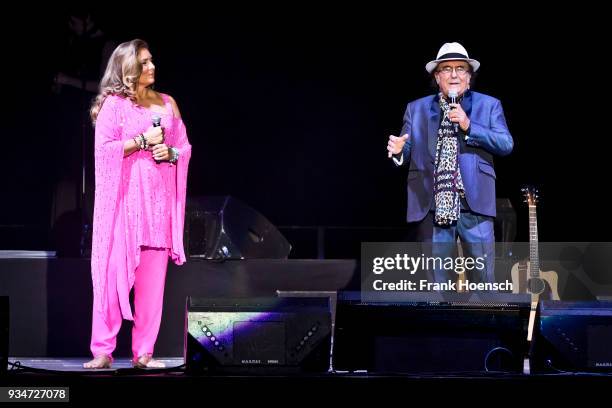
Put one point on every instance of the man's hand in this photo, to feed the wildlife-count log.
(457, 115)
(396, 144)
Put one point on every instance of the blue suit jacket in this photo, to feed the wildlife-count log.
(488, 136)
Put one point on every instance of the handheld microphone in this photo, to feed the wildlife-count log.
(156, 120)
(452, 95)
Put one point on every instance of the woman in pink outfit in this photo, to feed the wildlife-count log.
(141, 160)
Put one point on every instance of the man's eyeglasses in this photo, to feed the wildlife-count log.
(460, 70)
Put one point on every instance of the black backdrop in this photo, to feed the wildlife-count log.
(289, 109)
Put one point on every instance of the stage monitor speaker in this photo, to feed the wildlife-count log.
(430, 334)
(573, 336)
(4, 333)
(258, 335)
(221, 227)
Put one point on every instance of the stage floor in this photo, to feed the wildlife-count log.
(76, 364)
(124, 383)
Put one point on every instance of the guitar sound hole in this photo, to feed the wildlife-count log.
(536, 286)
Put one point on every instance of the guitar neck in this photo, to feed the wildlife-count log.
(534, 259)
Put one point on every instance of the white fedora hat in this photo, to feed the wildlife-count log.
(452, 52)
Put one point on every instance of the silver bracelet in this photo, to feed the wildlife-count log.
(175, 155)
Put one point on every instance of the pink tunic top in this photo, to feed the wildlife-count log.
(138, 202)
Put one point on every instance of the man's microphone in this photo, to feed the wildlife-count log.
(452, 95)
(156, 120)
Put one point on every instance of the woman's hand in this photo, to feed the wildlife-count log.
(154, 136)
(161, 152)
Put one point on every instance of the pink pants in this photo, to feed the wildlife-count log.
(148, 303)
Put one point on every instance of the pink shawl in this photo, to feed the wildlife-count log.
(118, 121)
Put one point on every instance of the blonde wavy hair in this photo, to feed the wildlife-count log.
(121, 75)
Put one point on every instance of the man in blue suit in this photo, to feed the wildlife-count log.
(448, 143)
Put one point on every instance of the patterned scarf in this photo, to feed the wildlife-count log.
(448, 186)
